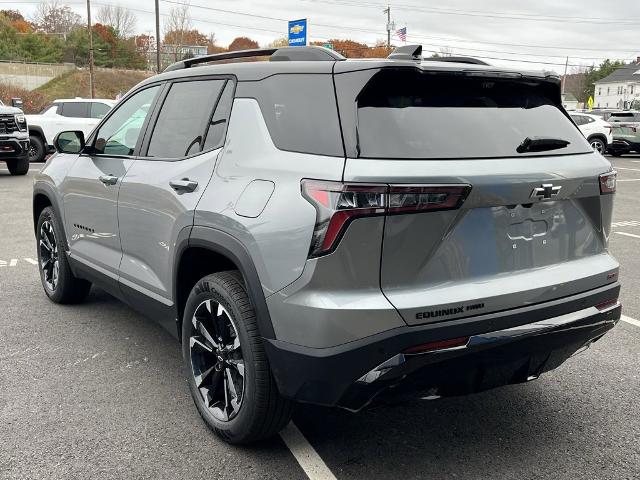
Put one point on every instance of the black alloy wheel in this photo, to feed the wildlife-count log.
(217, 363)
(49, 258)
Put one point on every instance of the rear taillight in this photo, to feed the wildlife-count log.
(337, 204)
(608, 305)
(608, 182)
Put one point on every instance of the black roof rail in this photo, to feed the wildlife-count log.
(407, 52)
(311, 53)
(471, 60)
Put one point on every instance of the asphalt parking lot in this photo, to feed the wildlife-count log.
(96, 391)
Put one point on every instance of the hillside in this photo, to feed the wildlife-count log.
(109, 83)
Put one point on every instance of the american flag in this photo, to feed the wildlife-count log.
(402, 33)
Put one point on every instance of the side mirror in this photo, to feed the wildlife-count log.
(71, 141)
(16, 102)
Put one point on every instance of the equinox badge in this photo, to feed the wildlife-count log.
(545, 192)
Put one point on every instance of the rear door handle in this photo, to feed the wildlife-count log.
(108, 179)
(184, 185)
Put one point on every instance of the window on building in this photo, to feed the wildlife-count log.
(608, 90)
(599, 91)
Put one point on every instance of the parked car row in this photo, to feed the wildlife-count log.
(28, 138)
(618, 135)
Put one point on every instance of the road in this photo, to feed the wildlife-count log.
(96, 391)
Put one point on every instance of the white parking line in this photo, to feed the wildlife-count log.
(626, 223)
(307, 457)
(31, 261)
(627, 168)
(627, 234)
(630, 320)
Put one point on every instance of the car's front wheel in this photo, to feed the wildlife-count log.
(226, 364)
(19, 166)
(59, 283)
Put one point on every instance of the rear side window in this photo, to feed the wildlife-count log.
(75, 109)
(301, 113)
(99, 110)
(218, 126)
(404, 114)
(184, 118)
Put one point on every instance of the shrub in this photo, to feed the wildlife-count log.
(33, 102)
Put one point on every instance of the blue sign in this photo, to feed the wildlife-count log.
(298, 33)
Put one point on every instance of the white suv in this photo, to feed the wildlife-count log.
(595, 130)
(64, 114)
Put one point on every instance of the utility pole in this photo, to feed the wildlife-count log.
(158, 65)
(564, 78)
(92, 86)
(388, 12)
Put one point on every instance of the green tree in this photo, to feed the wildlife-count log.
(593, 74)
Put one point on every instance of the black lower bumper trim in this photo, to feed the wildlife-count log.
(14, 148)
(330, 376)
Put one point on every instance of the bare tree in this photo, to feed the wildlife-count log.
(120, 18)
(176, 27)
(51, 16)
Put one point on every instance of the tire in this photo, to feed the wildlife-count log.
(598, 145)
(18, 166)
(36, 149)
(59, 283)
(215, 353)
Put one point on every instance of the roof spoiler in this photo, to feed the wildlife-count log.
(311, 53)
(407, 52)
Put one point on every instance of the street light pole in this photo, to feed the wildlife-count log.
(92, 86)
(157, 37)
(388, 12)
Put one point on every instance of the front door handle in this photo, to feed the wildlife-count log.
(108, 179)
(184, 185)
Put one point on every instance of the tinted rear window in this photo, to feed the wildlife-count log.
(301, 113)
(404, 114)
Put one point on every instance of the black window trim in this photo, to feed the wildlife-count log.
(92, 138)
(144, 146)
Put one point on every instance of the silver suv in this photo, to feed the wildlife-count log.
(316, 229)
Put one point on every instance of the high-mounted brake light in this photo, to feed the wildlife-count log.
(608, 182)
(337, 204)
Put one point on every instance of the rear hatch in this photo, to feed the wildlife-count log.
(532, 224)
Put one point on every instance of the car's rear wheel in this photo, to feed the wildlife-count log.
(59, 283)
(226, 365)
(598, 145)
(19, 166)
(36, 149)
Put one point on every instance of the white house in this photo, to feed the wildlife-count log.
(619, 89)
(569, 101)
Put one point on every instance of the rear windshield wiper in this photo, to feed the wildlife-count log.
(541, 144)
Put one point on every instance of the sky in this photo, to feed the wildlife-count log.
(526, 35)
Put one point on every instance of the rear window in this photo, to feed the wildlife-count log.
(404, 114)
(625, 117)
(301, 113)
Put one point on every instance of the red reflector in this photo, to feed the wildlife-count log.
(440, 345)
(607, 305)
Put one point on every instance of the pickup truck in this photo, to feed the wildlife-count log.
(61, 115)
(14, 140)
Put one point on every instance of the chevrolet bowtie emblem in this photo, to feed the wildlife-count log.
(545, 192)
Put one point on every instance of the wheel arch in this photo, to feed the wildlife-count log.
(206, 251)
(599, 136)
(43, 197)
(37, 131)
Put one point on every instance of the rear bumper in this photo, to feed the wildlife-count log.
(12, 148)
(623, 146)
(503, 348)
